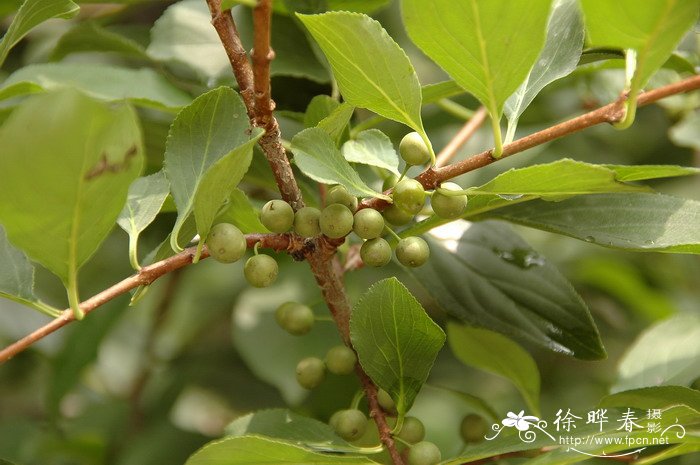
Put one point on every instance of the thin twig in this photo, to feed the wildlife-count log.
(262, 55)
(462, 137)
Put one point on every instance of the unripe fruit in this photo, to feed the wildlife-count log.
(413, 149)
(412, 251)
(448, 206)
(396, 216)
(375, 252)
(368, 223)
(473, 428)
(277, 216)
(409, 195)
(336, 221)
(412, 430)
(389, 182)
(226, 243)
(385, 400)
(339, 194)
(295, 318)
(341, 360)
(260, 270)
(350, 424)
(306, 222)
(310, 372)
(424, 453)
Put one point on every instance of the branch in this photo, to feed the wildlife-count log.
(462, 137)
(262, 56)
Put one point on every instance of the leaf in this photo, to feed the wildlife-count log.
(83, 154)
(445, 89)
(336, 123)
(485, 275)
(653, 31)
(143, 87)
(144, 200)
(31, 14)
(675, 358)
(395, 340)
(559, 57)
(372, 147)
(625, 173)
(686, 133)
(256, 450)
(239, 212)
(637, 221)
(497, 354)
(653, 398)
(209, 149)
(487, 47)
(352, 42)
(89, 36)
(317, 157)
(319, 108)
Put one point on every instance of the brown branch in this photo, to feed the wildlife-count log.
(462, 137)
(262, 55)
(377, 414)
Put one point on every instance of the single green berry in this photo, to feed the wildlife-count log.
(385, 400)
(260, 270)
(350, 424)
(397, 216)
(339, 194)
(413, 149)
(368, 223)
(412, 430)
(389, 182)
(424, 453)
(448, 206)
(333, 420)
(341, 360)
(310, 372)
(306, 222)
(295, 318)
(473, 428)
(409, 195)
(412, 251)
(277, 216)
(375, 252)
(336, 221)
(226, 243)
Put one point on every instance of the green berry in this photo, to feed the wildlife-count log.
(413, 149)
(341, 360)
(375, 252)
(277, 216)
(295, 318)
(385, 400)
(260, 270)
(473, 428)
(389, 182)
(306, 222)
(412, 251)
(424, 453)
(448, 206)
(368, 223)
(409, 195)
(396, 216)
(350, 424)
(226, 243)
(339, 194)
(412, 430)
(310, 372)
(336, 221)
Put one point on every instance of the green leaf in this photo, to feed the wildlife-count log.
(209, 149)
(395, 340)
(31, 14)
(653, 31)
(240, 212)
(445, 89)
(320, 107)
(675, 358)
(89, 36)
(317, 156)
(83, 154)
(352, 42)
(625, 173)
(372, 147)
(143, 87)
(559, 57)
(637, 221)
(653, 398)
(486, 275)
(256, 450)
(336, 123)
(144, 201)
(497, 354)
(487, 47)
(686, 133)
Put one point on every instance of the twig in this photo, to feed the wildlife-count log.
(262, 55)
(462, 137)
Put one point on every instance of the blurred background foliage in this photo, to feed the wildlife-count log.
(149, 384)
